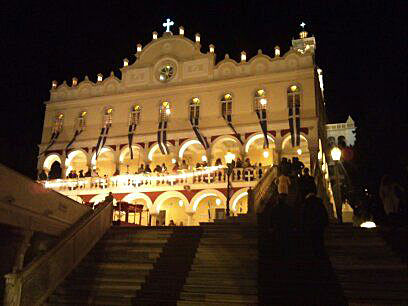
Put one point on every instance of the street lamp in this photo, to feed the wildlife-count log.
(229, 157)
(336, 155)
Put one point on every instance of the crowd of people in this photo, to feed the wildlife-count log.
(297, 208)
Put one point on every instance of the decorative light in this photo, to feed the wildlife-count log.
(335, 153)
(263, 101)
(217, 201)
(277, 51)
(204, 158)
(212, 48)
(293, 88)
(181, 31)
(196, 100)
(180, 203)
(173, 160)
(197, 37)
(168, 111)
(154, 35)
(227, 96)
(54, 84)
(125, 62)
(229, 157)
(243, 56)
(299, 151)
(261, 92)
(265, 154)
(139, 48)
(368, 224)
(100, 77)
(74, 81)
(83, 114)
(109, 110)
(60, 116)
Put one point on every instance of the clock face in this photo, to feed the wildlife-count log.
(166, 73)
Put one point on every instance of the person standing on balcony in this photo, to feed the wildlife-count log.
(184, 165)
(141, 169)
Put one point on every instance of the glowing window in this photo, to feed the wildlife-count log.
(108, 116)
(164, 111)
(293, 94)
(260, 99)
(81, 120)
(226, 104)
(195, 108)
(135, 114)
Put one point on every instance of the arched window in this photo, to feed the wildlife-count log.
(59, 120)
(226, 105)
(164, 111)
(107, 118)
(81, 120)
(293, 97)
(260, 101)
(194, 109)
(134, 117)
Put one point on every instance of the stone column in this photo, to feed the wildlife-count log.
(63, 167)
(153, 215)
(190, 215)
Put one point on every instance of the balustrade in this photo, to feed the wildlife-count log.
(209, 175)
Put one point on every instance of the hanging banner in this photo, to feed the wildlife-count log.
(261, 113)
(102, 139)
(162, 137)
(194, 121)
(55, 132)
(132, 129)
(294, 123)
(54, 137)
(227, 118)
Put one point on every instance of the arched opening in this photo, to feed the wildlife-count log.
(128, 165)
(105, 164)
(193, 152)
(172, 209)
(256, 152)
(137, 217)
(49, 160)
(76, 161)
(239, 202)
(55, 170)
(301, 152)
(100, 198)
(224, 145)
(208, 207)
(157, 158)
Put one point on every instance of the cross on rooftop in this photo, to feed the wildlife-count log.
(302, 24)
(168, 24)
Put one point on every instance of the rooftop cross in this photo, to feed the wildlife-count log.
(302, 24)
(168, 24)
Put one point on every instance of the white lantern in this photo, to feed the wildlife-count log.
(335, 154)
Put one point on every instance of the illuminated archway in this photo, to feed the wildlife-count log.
(77, 160)
(143, 199)
(50, 159)
(100, 198)
(171, 205)
(157, 158)
(224, 144)
(192, 151)
(128, 165)
(239, 201)
(301, 152)
(207, 205)
(105, 164)
(256, 152)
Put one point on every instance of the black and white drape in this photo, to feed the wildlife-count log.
(194, 121)
(162, 137)
(261, 113)
(133, 121)
(227, 115)
(103, 136)
(78, 131)
(55, 133)
(294, 118)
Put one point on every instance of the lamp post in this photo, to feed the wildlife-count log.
(336, 155)
(229, 157)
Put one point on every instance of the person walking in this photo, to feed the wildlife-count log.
(315, 220)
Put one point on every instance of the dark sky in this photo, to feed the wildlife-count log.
(361, 47)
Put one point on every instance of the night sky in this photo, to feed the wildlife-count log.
(361, 49)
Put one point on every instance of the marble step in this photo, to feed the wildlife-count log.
(205, 289)
(218, 297)
(76, 300)
(226, 275)
(203, 281)
(212, 303)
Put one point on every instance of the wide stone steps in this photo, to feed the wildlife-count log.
(219, 297)
(368, 271)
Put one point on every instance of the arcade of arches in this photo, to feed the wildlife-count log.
(110, 162)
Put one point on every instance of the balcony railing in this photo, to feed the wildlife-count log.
(208, 175)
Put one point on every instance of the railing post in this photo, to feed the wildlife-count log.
(12, 292)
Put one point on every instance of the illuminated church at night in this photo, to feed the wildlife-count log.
(160, 136)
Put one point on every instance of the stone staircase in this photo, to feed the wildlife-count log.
(225, 267)
(367, 269)
(115, 269)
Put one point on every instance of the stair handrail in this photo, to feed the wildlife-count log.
(259, 193)
(38, 280)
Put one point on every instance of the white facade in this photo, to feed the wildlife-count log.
(346, 130)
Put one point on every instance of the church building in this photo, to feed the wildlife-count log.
(160, 135)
